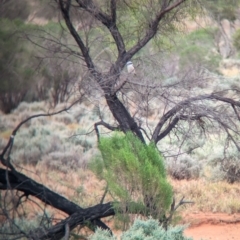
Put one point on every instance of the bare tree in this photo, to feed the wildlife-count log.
(177, 100)
(184, 105)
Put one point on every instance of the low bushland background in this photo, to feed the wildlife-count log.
(57, 150)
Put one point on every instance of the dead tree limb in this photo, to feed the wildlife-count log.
(30, 187)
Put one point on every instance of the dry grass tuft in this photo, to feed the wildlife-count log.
(208, 196)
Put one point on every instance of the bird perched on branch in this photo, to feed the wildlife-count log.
(130, 68)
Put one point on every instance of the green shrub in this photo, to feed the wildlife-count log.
(184, 167)
(236, 40)
(134, 172)
(202, 37)
(16, 65)
(19, 59)
(144, 230)
(222, 9)
(197, 49)
(20, 227)
(221, 163)
(194, 55)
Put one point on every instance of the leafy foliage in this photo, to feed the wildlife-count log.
(197, 49)
(236, 40)
(134, 172)
(29, 74)
(227, 169)
(15, 65)
(144, 230)
(23, 226)
(184, 167)
(222, 9)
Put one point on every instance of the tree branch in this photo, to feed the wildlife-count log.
(84, 50)
(168, 129)
(109, 22)
(15, 180)
(86, 215)
(89, 6)
(153, 27)
(156, 137)
(235, 110)
(30, 187)
(121, 114)
(173, 209)
(113, 11)
(80, 217)
(106, 125)
(78, 214)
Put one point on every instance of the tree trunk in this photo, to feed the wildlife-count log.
(121, 114)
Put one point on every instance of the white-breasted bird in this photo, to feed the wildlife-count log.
(130, 67)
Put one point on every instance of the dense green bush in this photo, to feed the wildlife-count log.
(134, 172)
(144, 230)
(236, 40)
(197, 50)
(16, 64)
(222, 9)
(33, 73)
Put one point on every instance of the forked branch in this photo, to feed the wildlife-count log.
(158, 134)
(30, 187)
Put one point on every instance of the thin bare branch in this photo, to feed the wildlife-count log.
(109, 22)
(152, 29)
(106, 125)
(21, 182)
(84, 50)
(235, 110)
(185, 103)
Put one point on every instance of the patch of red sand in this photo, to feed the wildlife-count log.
(210, 226)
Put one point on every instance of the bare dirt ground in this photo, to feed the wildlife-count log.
(213, 226)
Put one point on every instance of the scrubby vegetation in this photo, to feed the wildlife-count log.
(30, 75)
(13, 231)
(142, 230)
(134, 172)
(16, 75)
(176, 120)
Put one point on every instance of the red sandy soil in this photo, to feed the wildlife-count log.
(213, 226)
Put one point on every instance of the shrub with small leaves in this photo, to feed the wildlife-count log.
(227, 169)
(223, 161)
(134, 172)
(184, 167)
(231, 168)
(16, 69)
(236, 40)
(222, 9)
(144, 230)
(21, 227)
